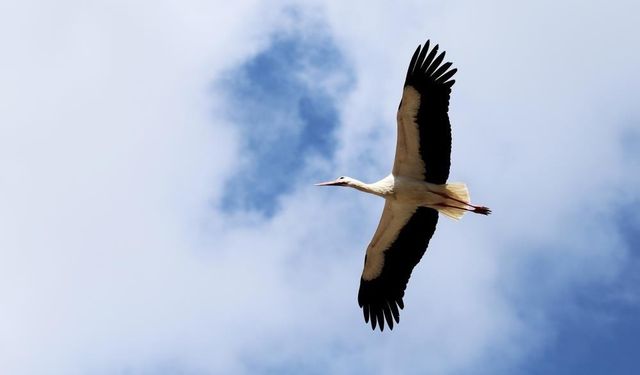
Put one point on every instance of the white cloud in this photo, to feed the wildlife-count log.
(112, 156)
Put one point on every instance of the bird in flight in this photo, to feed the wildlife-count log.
(415, 191)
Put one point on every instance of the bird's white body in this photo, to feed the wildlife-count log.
(416, 193)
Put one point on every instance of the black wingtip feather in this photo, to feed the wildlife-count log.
(435, 64)
(441, 70)
(429, 59)
(380, 317)
(443, 78)
(420, 60)
(387, 316)
(412, 63)
(394, 311)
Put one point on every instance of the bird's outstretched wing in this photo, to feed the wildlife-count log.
(423, 149)
(397, 246)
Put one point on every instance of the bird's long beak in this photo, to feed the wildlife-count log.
(330, 183)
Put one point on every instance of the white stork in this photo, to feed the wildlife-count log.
(414, 192)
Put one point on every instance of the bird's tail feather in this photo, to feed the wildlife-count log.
(459, 192)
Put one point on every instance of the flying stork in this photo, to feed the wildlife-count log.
(414, 192)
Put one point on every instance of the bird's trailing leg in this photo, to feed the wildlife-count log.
(476, 209)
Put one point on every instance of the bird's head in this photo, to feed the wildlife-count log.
(340, 181)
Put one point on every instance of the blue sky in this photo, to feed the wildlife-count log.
(286, 118)
(599, 329)
(159, 216)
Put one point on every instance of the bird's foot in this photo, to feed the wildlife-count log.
(482, 210)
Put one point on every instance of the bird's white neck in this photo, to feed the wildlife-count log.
(381, 188)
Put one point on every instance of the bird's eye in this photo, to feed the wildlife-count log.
(341, 178)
